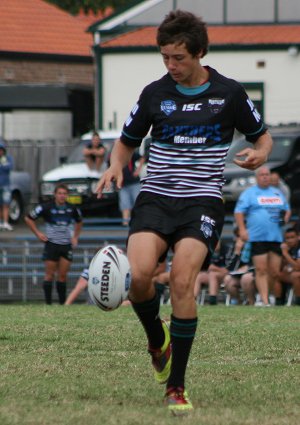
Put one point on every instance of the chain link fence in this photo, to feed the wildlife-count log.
(39, 156)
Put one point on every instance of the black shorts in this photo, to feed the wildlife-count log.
(173, 219)
(260, 248)
(53, 252)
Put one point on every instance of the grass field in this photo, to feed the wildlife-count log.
(78, 365)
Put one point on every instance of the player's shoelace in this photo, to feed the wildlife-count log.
(162, 357)
(177, 401)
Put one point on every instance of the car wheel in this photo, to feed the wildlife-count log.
(15, 208)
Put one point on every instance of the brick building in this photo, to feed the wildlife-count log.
(46, 71)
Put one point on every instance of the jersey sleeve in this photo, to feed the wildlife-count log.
(85, 274)
(138, 123)
(77, 215)
(37, 212)
(248, 119)
(242, 203)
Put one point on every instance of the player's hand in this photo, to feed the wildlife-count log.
(111, 175)
(250, 158)
(74, 241)
(42, 237)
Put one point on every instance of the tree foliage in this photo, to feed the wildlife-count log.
(74, 6)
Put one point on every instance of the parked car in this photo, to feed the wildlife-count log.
(20, 182)
(82, 181)
(284, 158)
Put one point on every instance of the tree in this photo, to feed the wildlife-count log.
(74, 6)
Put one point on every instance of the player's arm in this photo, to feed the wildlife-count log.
(240, 221)
(252, 158)
(295, 263)
(32, 226)
(77, 230)
(120, 157)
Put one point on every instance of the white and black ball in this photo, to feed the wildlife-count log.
(109, 278)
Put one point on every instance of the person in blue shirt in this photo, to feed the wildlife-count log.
(6, 165)
(260, 212)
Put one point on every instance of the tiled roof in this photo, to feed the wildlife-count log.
(35, 26)
(218, 36)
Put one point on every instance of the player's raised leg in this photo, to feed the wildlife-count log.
(144, 250)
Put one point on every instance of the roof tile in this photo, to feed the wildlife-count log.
(35, 26)
(218, 35)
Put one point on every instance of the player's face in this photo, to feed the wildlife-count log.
(60, 196)
(291, 239)
(263, 177)
(95, 141)
(181, 65)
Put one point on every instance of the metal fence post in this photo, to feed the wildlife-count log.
(24, 272)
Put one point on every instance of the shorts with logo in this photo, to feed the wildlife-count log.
(173, 219)
(260, 248)
(5, 195)
(53, 252)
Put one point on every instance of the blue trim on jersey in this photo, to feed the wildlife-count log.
(216, 147)
(191, 91)
(252, 134)
(131, 137)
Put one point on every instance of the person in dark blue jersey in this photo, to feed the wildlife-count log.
(191, 113)
(61, 218)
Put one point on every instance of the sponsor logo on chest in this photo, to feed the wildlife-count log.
(269, 200)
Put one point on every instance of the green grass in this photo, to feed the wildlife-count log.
(79, 365)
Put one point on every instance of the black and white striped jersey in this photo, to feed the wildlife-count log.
(59, 220)
(191, 130)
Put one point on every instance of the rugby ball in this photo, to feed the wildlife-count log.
(109, 278)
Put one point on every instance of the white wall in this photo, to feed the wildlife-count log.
(26, 124)
(125, 75)
(280, 76)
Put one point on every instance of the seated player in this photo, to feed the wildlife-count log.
(290, 270)
(94, 153)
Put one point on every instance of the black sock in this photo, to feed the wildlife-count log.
(182, 336)
(148, 313)
(61, 288)
(297, 300)
(213, 300)
(279, 301)
(47, 287)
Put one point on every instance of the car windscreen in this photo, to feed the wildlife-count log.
(281, 148)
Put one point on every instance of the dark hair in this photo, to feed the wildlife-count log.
(61, 186)
(291, 230)
(180, 27)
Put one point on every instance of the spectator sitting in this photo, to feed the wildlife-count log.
(6, 165)
(215, 273)
(241, 276)
(290, 271)
(94, 153)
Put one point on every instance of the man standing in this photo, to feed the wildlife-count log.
(59, 216)
(192, 112)
(258, 214)
(6, 165)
